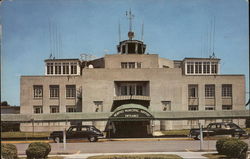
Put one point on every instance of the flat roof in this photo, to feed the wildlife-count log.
(199, 58)
(73, 59)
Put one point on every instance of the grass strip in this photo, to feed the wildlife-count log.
(24, 134)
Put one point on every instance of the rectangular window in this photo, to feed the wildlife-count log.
(226, 90)
(131, 64)
(192, 91)
(54, 91)
(210, 91)
(65, 68)
(193, 108)
(38, 109)
(209, 107)
(131, 89)
(73, 68)
(166, 105)
(124, 65)
(49, 68)
(54, 109)
(98, 106)
(214, 67)
(124, 90)
(206, 67)
(38, 91)
(70, 108)
(58, 68)
(70, 91)
(139, 91)
(198, 67)
(190, 67)
(227, 107)
(138, 64)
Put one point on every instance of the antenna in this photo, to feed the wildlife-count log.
(119, 31)
(130, 17)
(214, 37)
(142, 31)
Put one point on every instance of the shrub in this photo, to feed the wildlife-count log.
(38, 150)
(220, 142)
(235, 149)
(8, 151)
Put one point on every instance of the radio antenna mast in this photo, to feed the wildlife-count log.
(119, 30)
(130, 17)
(142, 31)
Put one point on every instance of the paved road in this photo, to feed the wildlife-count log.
(126, 146)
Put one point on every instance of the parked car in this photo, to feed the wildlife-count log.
(220, 128)
(78, 132)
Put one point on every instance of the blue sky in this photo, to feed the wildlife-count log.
(174, 29)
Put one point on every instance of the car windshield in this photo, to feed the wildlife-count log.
(234, 126)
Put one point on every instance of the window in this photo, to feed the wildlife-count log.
(54, 91)
(166, 105)
(98, 106)
(198, 67)
(210, 91)
(73, 68)
(123, 90)
(65, 68)
(70, 108)
(214, 67)
(227, 107)
(209, 107)
(190, 67)
(54, 109)
(49, 68)
(139, 90)
(38, 109)
(193, 108)
(124, 65)
(38, 91)
(226, 90)
(131, 89)
(138, 64)
(206, 67)
(192, 91)
(58, 68)
(131, 65)
(70, 91)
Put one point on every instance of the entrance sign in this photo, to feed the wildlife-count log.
(132, 113)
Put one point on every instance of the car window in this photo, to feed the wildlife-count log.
(218, 125)
(223, 126)
(74, 129)
(213, 126)
(84, 128)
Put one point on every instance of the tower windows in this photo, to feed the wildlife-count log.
(210, 91)
(54, 91)
(192, 91)
(38, 91)
(226, 90)
(70, 91)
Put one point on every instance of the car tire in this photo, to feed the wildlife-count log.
(57, 140)
(198, 137)
(92, 138)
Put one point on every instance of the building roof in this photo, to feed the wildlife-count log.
(195, 58)
(75, 59)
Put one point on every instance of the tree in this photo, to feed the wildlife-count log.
(4, 103)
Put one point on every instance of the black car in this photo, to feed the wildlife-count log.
(78, 132)
(220, 128)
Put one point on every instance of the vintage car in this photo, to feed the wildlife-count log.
(220, 128)
(78, 132)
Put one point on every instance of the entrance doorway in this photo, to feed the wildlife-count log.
(131, 129)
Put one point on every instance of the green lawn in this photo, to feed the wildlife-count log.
(184, 132)
(215, 156)
(24, 134)
(152, 156)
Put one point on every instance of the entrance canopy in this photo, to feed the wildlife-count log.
(131, 112)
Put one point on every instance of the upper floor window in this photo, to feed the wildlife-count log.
(38, 109)
(65, 68)
(190, 67)
(70, 91)
(198, 67)
(54, 109)
(206, 67)
(57, 68)
(192, 91)
(130, 64)
(54, 91)
(210, 91)
(38, 91)
(71, 108)
(131, 89)
(214, 67)
(73, 68)
(49, 68)
(193, 108)
(226, 90)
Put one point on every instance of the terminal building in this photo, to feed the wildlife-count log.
(130, 85)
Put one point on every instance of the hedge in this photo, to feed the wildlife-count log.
(8, 151)
(38, 150)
